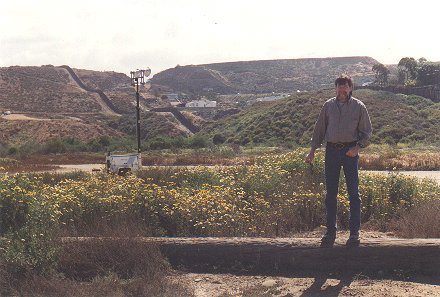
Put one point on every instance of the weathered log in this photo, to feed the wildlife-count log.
(304, 256)
(301, 256)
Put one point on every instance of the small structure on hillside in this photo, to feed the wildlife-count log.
(271, 98)
(201, 103)
(170, 96)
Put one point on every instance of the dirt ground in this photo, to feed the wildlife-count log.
(212, 285)
(22, 117)
(434, 175)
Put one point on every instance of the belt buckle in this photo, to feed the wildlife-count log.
(339, 145)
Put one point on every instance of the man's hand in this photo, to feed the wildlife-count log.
(353, 152)
(310, 157)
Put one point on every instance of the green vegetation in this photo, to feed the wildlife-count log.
(152, 125)
(381, 74)
(410, 73)
(418, 72)
(68, 145)
(202, 201)
(277, 195)
(289, 122)
(103, 144)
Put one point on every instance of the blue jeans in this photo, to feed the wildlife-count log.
(334, 159)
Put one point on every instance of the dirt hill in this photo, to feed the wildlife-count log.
(58, 102)
(34, 130)
(42, 89)
(264, 76)
(53, 89)
(116, 86)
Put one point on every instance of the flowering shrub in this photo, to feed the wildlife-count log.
(276, 196)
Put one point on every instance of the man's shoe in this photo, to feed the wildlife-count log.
(353, 241)
(328, 240)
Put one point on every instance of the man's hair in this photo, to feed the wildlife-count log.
(343, 79)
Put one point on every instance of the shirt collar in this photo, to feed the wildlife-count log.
(349, 100)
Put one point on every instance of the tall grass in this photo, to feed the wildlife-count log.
(422, 220)
(98, 268)
(385, 157)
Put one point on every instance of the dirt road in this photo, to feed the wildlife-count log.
(79, 167)
(22, 117)
(435, 175)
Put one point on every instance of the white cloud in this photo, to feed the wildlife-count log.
(121, 35)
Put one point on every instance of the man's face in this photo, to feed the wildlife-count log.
(343, 91)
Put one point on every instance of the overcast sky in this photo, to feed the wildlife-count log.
(125, 35)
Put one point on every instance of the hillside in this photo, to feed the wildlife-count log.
(38, 131)
(52, 89)
(264, 76)
(42, 89)
(290, 121)
(117, 87)
(46, 102)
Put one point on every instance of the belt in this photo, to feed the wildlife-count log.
(341, 145)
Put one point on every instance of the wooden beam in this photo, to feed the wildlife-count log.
(296, 256)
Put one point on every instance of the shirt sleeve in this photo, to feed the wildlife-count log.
(320, 129)
(364, 128)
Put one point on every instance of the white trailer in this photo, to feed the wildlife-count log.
(123, 163)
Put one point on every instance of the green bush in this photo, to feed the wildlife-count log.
(198, 141)
(218, 139)
(160, 143)
(29, 225)
(71, 145)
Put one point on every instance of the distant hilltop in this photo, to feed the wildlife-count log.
(264, 76)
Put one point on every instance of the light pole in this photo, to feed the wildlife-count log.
(137, 77)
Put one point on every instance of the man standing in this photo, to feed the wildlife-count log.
(344, 124)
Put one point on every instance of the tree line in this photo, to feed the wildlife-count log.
(410, 73)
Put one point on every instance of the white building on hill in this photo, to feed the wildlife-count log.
(271, 98)
(201, 103)
(171, 96)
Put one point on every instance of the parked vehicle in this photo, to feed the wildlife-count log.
(121, 164)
